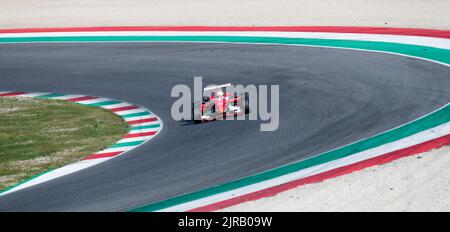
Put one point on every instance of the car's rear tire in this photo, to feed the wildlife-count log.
(247, 103)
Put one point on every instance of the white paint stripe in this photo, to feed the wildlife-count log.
(142, 138)
(124, 112)
(108, 150)
(144, 130)
(405, 39)
(417, 138)
(33, 94)
(138, 118)
(123, 104)
(92, 101)
(71, 168)
(69, 96)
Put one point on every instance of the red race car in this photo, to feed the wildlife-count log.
(219, 104)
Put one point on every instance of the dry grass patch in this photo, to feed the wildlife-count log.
(37, 135)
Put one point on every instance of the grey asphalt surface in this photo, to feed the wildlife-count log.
(328, 98)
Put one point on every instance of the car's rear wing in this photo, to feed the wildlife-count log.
(213, 87)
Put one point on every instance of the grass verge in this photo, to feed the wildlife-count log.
(37, 135)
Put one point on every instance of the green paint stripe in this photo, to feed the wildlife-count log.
(136, 114)
(51, 95)
(145, 127)
(105, 103)
(25, 181)
(127, 144)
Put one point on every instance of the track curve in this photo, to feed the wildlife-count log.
(343, 96)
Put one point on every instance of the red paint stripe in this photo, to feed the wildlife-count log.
(77, 99)
(141, 121)
(102, 155)
(124, 108)
(12, 94)
(139, 134)
(388, 157)
(335, 29)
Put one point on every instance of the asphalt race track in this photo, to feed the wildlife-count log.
(328, 98)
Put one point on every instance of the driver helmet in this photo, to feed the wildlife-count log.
(219, 94)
